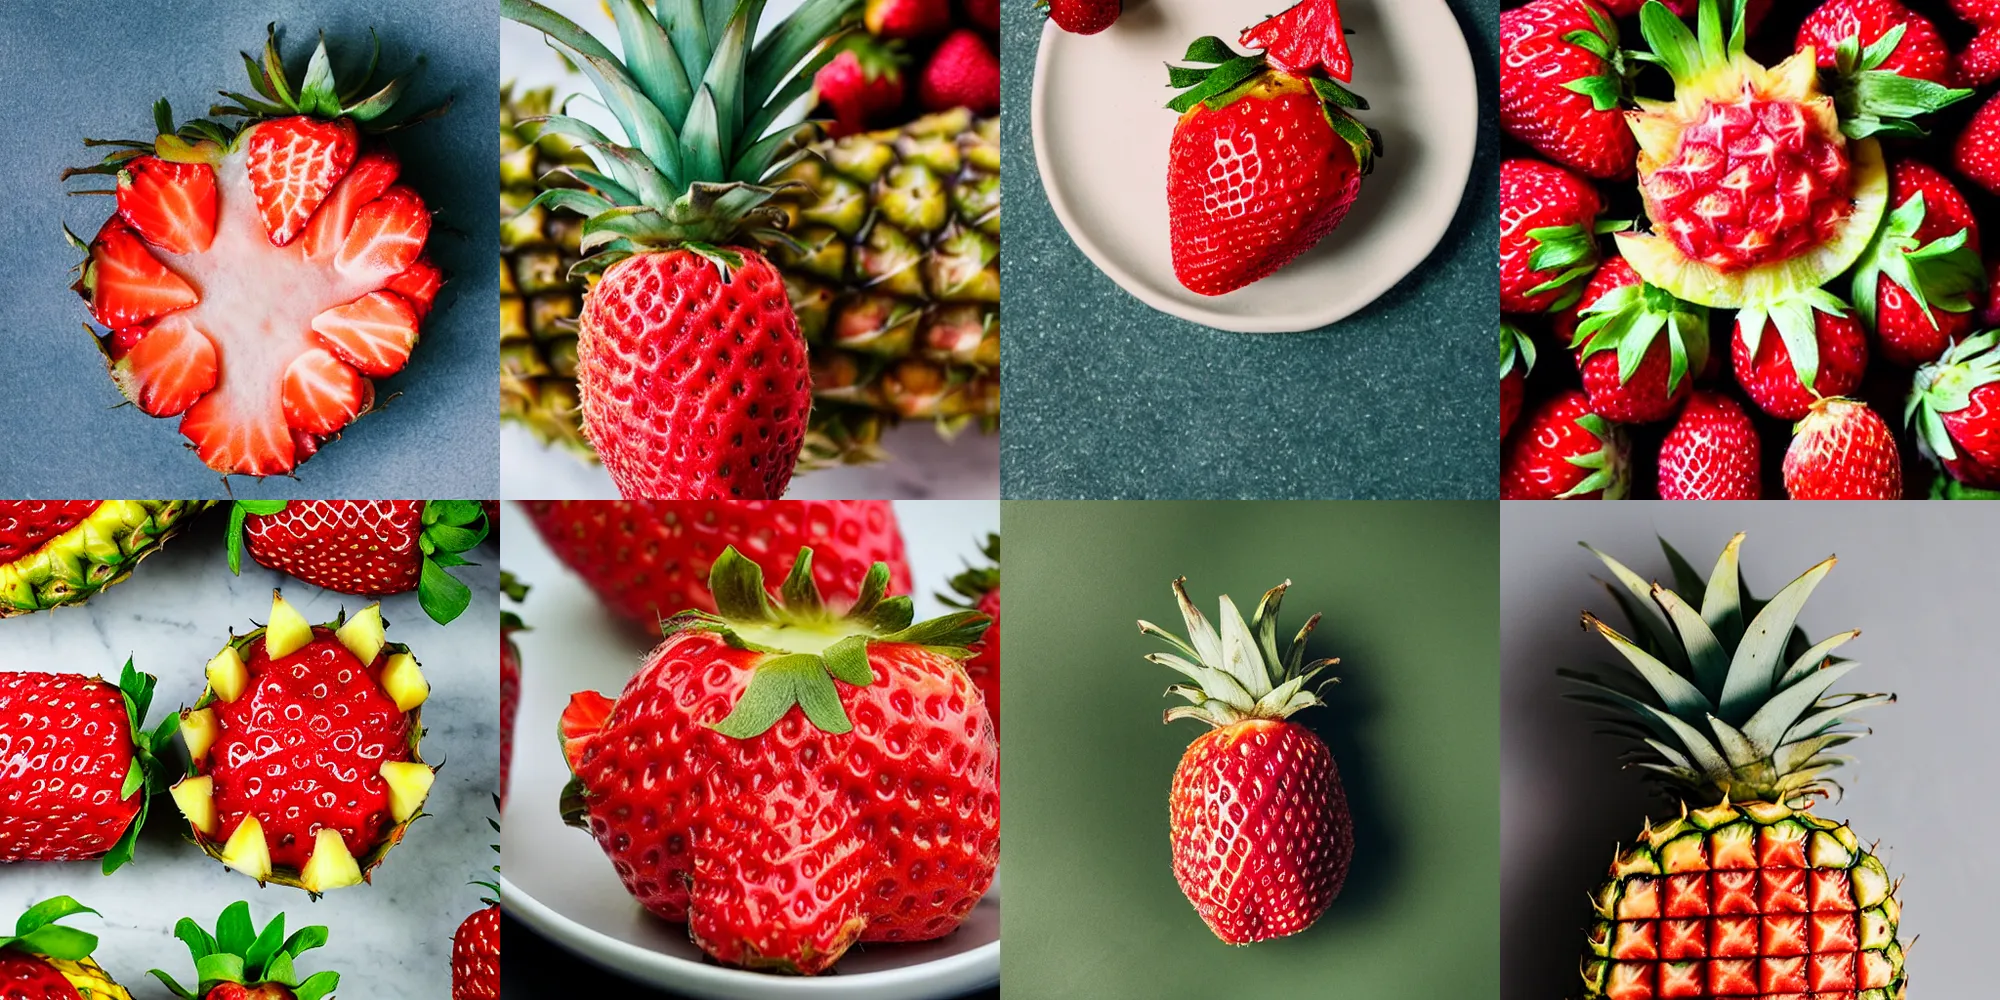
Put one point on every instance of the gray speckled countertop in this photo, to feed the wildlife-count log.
(1107, 398)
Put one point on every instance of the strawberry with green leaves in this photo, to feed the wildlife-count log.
(862, 85)
(1563, 84)
(1852, 26)
(241, 962)
(1565, 452)
(1916, 282)
(365, 547)
(1843, 450)
(1548, 236)
(1955, 408)
(978, 589)
(1792, 352)
(1712, 453)
(1638, 347)
(43, 960)
(1517, 359)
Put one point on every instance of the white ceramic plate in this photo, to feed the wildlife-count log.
(1102, 129)
(558, 882)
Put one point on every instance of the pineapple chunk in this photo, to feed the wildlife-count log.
(362, 635)
(331, 866)
(405, 682)
(247, 851)
(287, 631)
(409, 785)
(199, 729)
(196, 798)
(227, 676)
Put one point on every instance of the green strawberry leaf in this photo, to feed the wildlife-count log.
(237, 512)
(320, 984)
(221, 967)
(305, 940)
(168, 981)
(443, 596)
(199, 943)
(1209, 49)
(44, 913)
(264, 948)
(234, 932)
(56, 941)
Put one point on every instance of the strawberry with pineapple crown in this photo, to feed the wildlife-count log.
(239, 961)
(365, 547)
(1266, 158)
(257, 278)
(43, 960)
(55, 553)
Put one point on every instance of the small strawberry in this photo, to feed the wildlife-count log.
(1978, 63)
(1517, 359)
(862, 85)
(1917, 54)
(1082, 17)
(510, 675)
(365, 547)
(1790, 353)
(978, 589)
(1305, 38)
(1915, 281)
(475, 956)
(1712, 452)
(241, 962)
(1565, 452)
(44, 961)
(1637, 346)
(1548, 236)
(906, 18)
(1562, 82)
(1977, 153)
(1843, 450)
(963, 72)
(1955, 408)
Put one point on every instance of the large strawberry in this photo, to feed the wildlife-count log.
(1638, 347)
(1264, 163)
(1843, 450)
(365, 547)
(1565, 452)
(303, 750)
(1955, 407)
(55, 553)
(510, 675)
(1517, 359)
(1258, 821)
(1794, 351)
(1548, 236)
(1917, 53)
(241, 961)
(1978, 63)
(1915, 284)
(978, 589)
(257, 277)
(1562, 82)
(794, 752)
(1712, 453)
(648, 559)
(43, 960)
(1977, 152)
(77, 765)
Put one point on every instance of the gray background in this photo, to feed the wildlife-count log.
(94, 68)
(1106, 398)
(1920, 589)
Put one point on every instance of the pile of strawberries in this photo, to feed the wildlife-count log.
(917, 56)
(1900, 392)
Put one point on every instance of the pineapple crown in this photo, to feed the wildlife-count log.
(977, 581)
(149, 772)
(1221, 77)
(449, 528)
(1946, 386)
(1726, 702)
(806, 646)
(37, 933)
(701, 106)
(240, 953)
(1239, 673)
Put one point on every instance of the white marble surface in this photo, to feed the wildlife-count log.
(390, 940)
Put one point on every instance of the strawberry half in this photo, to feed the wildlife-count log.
(1304, 39)
(1955, 408)
(366, 547)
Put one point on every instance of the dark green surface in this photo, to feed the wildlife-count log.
(1107, 398)
(1409, 595)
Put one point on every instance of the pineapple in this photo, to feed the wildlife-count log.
(1746, 893)
(538, 301)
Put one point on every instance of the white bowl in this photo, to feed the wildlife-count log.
(1102, 130)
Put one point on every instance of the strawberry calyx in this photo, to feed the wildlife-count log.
(1793, 316)
(1874, 101)
(977, 581)
(37, 933)
(517, 592)
(1938, 274)
(1573, 252)
(450, 527)
(1611, 88)
(1219, 76)
(1629, 318)
(1239, 674)
(1517, 350)
(149, 774)
(1946, 386)
(805, 645)
(241, 954)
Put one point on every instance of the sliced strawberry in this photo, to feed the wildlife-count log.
(171, 204)
(125, 283)
(294, 162)
(323, 393)
(373, 333)
(387, 237)
(1305, 38)
(234, 442)
(419, 285)
(164, 369)
(371, 176)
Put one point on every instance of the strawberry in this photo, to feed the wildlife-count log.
(861, 85)
(983, 13)
(1260, 828)
(1305, 38)
(1843, 450)
(1517, 359)
(1562, 81)
(1978, 63)
(1792, 352)
(1637, 346)
(239, 961)
(821, 856)
(475, 956)
(963, 72)
(82, 765)
(365, 547)
(510, 675)
(648, 559)
(171, 205)
(1082, 17)
(1263, 165)
(124, 283)
(1753, 16)
(1915, 281)
(1977, 153)
(61, 552)
(1955, 408)
(1918, 53)
(44, 961)
(1712, 452)
(1565, 452)
(978, 589)
(303, 748)
(1548, 236)
(906, 18)
(293, 163)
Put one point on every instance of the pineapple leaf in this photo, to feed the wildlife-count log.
(638, 175)
(1775, 718)
(1659, 637)
(1265, 625)
(716, 15)
(1686, 580)
(1737, 748)
(701, 139)
(1721, 603)
(650, 56)
(1819, 723)
(1678, 760)
(755, 164)
(1675, 692)
(1239, 652)
(558, 27)
(724, 81)
(1753, 670)
(1148, 628)
(1706, 656)
(1811, 659)
(774, 58)
(643, 123)
(687, 30)
(612, 190)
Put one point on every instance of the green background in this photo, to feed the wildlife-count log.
(1410, 599)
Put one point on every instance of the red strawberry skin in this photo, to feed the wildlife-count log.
(1536, 195)
(125, 284)
(1712, 453)
(29, 977)
(1843, 450)
(1977, 154)
(1978, 63)
(65, 748)
(1643, 398)
(984, 667)
(1536, 61)
(510, 699)
(172, 205)
(984, 13)
(1921, 55)
(367, 547)
(1512, 386)
(649, 559)
(1975, 432)
(1773, 383)
(858, 95)
(1535, 464)
(1085, 17)
(1907, 335)
(475, 957)
(906, 18)
(1306, 37)
(294, 164)
(963, 72)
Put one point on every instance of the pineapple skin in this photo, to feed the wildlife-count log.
(539, 304)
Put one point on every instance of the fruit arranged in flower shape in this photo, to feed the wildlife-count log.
(365, 547)
(1747, 893)
(242, 962)
(305, 769)
(1955, 407)
(788, 779)
(1258, 820)
(58, 552)
(43, 960)
(978, 589)
(256, 278)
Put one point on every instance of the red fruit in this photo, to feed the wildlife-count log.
(963, 72)
(648, 560)
(1790, 354)
(372, 176)
(69, 742)
(43, 961)
(984, 13)
(1517, 359)
(906, 18)
(1548, 236)
(787, 877)
(1977, 154)
(1562, 81)
(1920, 55)
(1914, 285)
(475, 957)
(1753, 16)
(1084, 17)
(1979, 62)
(510, 677)
(978, 589)
(375, 333)
(240, 961)
(1955, 408)
(1304, 39)
(172, 205)
(125, 284)
(293, 164)
(860, 86)
(366, 547)
(1712, 452)
(418, 285)
(1565, 452)
(1637, 346)
(1843, 450)
(164, 368)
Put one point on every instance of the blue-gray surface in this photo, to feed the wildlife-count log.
(1105, 397)
(93, 68)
